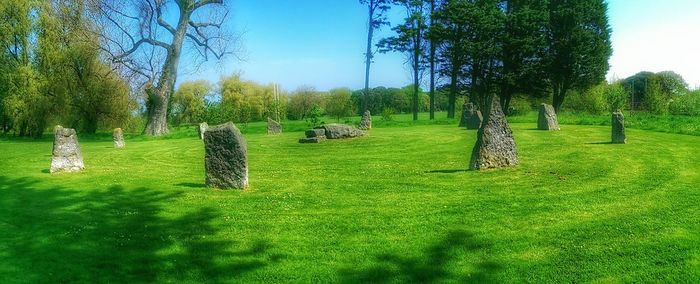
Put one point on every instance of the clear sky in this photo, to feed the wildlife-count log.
(321, 43)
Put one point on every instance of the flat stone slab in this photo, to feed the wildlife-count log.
(340, 131)
(312, 133)
(312, 140)
(67, 156)
(226, 157)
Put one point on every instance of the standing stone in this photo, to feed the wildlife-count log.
(66, 151)
(548, 118)
(495, 146)
(618, 128)
(201, 129)
(273, 127)
(366, 122)
(118, 137)
(314, 136)
(226, 157)
(471, 117)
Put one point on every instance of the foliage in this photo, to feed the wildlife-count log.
(339, 104)
(388, 114)
(302, 101)
(617, 97)
(246, 101)
(189, 102)
(580, 46)
(315, 114)
(686, 104)
(519, 106)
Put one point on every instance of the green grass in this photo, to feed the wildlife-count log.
(397, 206)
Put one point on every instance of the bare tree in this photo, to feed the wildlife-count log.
(376, 10)
(146, 38)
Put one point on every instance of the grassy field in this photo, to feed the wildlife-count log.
(396, 206)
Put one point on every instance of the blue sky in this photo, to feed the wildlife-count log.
(314, 43)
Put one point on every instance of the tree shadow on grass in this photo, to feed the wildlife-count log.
(599, 143)
(116, 235)
(437, 264)
(192, 185)
(447, 171)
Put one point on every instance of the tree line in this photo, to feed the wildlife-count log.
(483, 48)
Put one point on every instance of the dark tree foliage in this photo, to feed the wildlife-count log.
(525, 50)
(579, 46)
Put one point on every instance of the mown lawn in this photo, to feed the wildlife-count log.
(397, 206)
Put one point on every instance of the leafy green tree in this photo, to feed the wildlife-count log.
(410, 40)
(302, 101)
(579, 47)
(189, 101)
(617, 97)
(339, 104)
(524, 49)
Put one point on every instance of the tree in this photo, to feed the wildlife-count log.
(579, 47)
(410, 39)
(302, 101)
(339, 104)
(524, 50)
(189, 101)
(138, 35)
(432, 57)
(376, 10)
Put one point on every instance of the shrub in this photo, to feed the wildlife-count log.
(616, 96)
(387, 114)
(519, 106)
(686, 104)
(590, 101)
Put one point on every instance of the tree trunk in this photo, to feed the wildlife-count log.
(368, 59)
(159, 96)
(453, 92)
(416, 69)
(558, 96)
(505, 101)
(432, 65)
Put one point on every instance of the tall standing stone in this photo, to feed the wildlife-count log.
(547, 119)
(201, 129)
(273, 127)
(495, 146)
(465, 114)
(366, 122)
(118, 137)
(471, 117)
(618, 128)
(226, 157)
(66, 151)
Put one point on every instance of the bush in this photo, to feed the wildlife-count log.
(686, 104)
(591, 101)
(519, 106)
(387, 114)
(617, 97)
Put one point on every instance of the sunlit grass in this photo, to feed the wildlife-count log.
(397, 205)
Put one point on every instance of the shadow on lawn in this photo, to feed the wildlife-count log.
(113, 235)
(457, 250)
(447, 171)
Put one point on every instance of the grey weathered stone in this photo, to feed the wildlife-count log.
(118, 137)
(547, 119)
(317, 132)
(273, 127)
(471, 117)
(201, 129)
(475, 118)
(618, 128)
(312, 139)
(495, 146)
(366, 122)
(338, 131)
(66, 151)
(226, 157)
